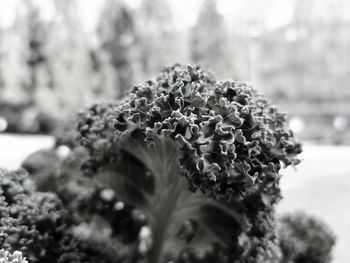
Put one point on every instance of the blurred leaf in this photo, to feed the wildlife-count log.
(149, 177)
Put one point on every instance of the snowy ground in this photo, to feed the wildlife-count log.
(320, 186)
(15, 148)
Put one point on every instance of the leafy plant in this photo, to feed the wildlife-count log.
(200, 158)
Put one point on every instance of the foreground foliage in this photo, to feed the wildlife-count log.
(37, 224)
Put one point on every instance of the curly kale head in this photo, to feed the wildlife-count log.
(231, 140)
(222, 136)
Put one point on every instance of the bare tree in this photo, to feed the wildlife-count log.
(209, 40)
(117, 35)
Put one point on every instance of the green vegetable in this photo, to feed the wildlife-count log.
(186, 132)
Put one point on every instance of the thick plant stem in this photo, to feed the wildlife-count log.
(162, 220)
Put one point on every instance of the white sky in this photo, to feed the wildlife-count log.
(278, 12)
(7, 12)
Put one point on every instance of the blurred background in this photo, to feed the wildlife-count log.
(57, 56)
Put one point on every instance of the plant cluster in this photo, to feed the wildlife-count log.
(222, 137)
(184, 169)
